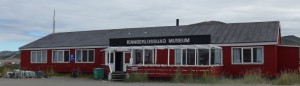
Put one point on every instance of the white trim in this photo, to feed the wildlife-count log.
(131, 57)
(181, 56)
(123, 64)
(81, 50)
(186, 57)
(143, 57)
(195, 58)
(63, 56)
(278, 34)
(168, 56)
(104, 57)
(58, 48)
(289, 46)
(180, 65)
(155, 57)
(247, 44)
(242, 56)
(209, 57)
(109, 56)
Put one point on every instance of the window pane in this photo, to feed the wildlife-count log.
(54, 56)
(247, 55)
(237, 55)
(66, 56)
(148, 57)
(216, 56)
(60, 56)
(257, 55)
(38, 56)
(107, 56)
(184, 57)
(33, 57)
(203, 57)
(78, 56)
(178, 56)
(44, 56)
(138, 57)
(112, 57)
(91, 56)
(84, 55)
(191, 57)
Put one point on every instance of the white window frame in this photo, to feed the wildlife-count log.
(87, 55)
(63, 55)
(196, 58)
(242, 56)
(39, 51)
(144, 56)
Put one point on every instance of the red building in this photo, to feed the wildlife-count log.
(215, 47)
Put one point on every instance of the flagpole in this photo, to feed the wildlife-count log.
(54, 22)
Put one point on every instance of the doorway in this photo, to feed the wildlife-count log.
(119, 61)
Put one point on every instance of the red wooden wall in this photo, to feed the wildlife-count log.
(62, 67)
(268, 68)
(288, 58)
(276, 59)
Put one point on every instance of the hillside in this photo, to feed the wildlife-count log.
(290, 40)
(9, 54)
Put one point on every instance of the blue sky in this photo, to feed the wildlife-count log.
(23, 21)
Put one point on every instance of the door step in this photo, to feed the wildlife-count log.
(118, 76)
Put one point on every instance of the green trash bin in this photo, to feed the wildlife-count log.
(98, 73)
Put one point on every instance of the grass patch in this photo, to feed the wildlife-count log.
(253, 77)
(250, 77)
(288, 78)
(6, 68)
(206, 78)
(141, 77)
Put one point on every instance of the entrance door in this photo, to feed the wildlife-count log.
(119, 61)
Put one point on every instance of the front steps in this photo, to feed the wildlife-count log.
(117, 76)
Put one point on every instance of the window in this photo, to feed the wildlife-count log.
(149, 57)
(39, 56)
(112, 56)
(60, 56)
(138, 57)
(216, 56)
(178, 54)
(85, 56)
(198, 56)
(111, 60)
(203, 57)
(190, 57)
(247, 55)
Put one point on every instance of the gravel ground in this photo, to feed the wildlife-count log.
(66, 81)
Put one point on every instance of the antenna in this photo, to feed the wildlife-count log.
(54, 22)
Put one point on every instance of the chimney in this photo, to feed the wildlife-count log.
(177, 22)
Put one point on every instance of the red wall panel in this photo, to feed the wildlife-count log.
(288, 58)
(62, 67)
(268, 68)
(162, 56)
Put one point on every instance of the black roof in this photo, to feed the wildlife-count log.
(221, 33)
